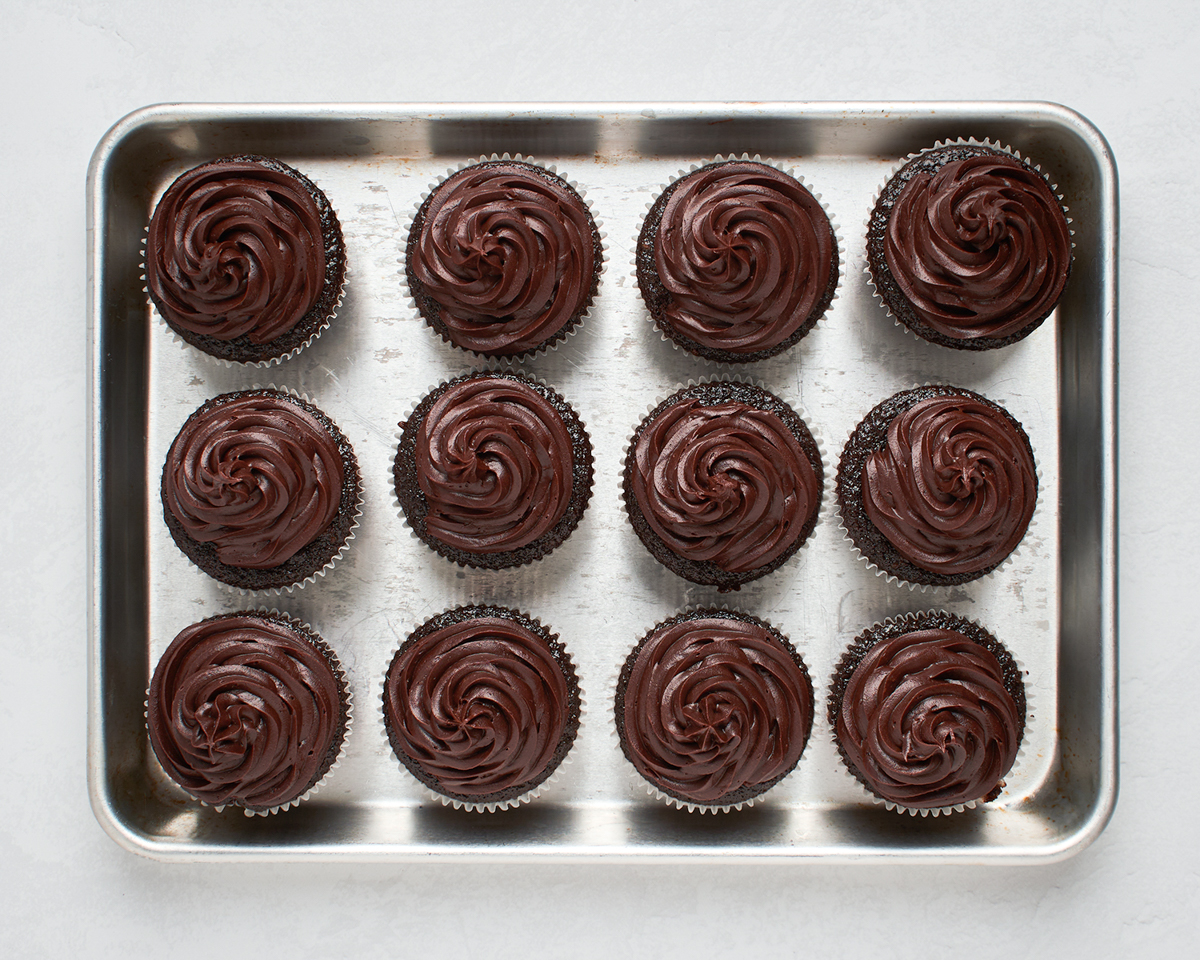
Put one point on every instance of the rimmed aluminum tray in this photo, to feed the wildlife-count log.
(1053, 604)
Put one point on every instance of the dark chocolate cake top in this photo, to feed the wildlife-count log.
(494, 463)
(720, 477)
(246, 709)
(481, 703)
(713, 707)
(236, 249)
(923, 712)
(745, 253)
(505, 255)
(954, 486)
(256, 474)
(979, 246)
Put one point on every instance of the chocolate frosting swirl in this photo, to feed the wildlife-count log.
(246, 709)
(980, 247)
(508, 255)
(494, 464)
(723, 482)
(255, 474)
(747, 255)
(713, 708)
(236, 249)
(926, 721)
(955, 487)
(480, 707)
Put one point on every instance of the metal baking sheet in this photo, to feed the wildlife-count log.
(1053, 605)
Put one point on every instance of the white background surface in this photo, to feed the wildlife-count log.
(69, 70)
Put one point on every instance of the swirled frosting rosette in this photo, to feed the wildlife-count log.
(493, 469)
(928, 712)
(723, 482)
(248, 709)
(737, 260)
(481, 704)
(260, 489)
(245, 259)
(503, 257)
(937, 486)
(968, 246)
(713, 708)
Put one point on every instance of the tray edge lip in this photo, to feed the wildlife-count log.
(1108, 780)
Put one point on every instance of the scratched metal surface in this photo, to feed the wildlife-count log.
(601, 590)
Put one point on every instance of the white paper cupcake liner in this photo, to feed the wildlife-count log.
(559, 338)
(271, 361)
(339, 672)
(1030, 716)
(498, 366)
(1004, 566)
(491, 807)
(938, 145)
(784, 169)
(827, 481)
(635, 779)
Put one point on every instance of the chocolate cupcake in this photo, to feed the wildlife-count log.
(260, 489)
(493, 469)
(245, 259)
(503, 258)
(928, 712)
(736, 261)
(481, 704)
(969, 247)
(723, 483)
(937, 485)
(713, 708)
(248, 709)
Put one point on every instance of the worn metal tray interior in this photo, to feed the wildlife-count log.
(1053, 604)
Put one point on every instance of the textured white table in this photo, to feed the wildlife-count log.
(70, 70)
